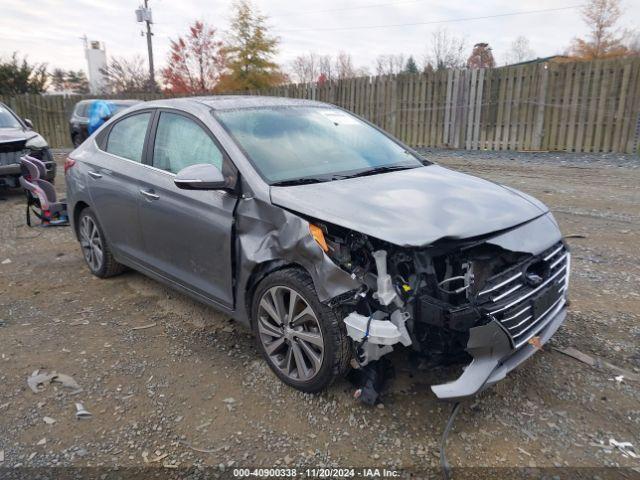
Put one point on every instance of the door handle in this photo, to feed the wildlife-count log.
(149, 194)
(95, 174)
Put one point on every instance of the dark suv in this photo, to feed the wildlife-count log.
(79, 121)
(17, 138)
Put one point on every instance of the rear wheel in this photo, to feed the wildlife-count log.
(301, 339)
(95, 249)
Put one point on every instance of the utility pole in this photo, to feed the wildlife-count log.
(143, 14)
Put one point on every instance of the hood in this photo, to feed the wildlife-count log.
(13, 135)
(414, 207)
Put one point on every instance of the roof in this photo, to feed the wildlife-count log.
(232, 102)
(552, 58)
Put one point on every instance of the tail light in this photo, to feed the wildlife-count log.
(68, 163)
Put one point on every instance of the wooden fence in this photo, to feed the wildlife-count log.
(574, 107)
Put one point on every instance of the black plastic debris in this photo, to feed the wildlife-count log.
(371, 380)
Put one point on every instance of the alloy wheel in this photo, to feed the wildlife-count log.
(290, 333)
(91, 243)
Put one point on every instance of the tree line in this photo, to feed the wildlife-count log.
(203, 61)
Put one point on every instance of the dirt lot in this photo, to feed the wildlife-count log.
(192, 387)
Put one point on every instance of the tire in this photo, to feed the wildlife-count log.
(76, 140)
(318, 333)
(92, 240)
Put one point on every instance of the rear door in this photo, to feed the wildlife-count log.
(187, 233)
(113, 175)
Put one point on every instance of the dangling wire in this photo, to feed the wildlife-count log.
(444, 464)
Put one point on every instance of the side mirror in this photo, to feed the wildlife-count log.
(202, 176)
(28, 122)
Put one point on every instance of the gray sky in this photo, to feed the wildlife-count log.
(50, 30)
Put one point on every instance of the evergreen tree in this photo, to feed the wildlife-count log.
(250, 52)
(77, 81)
(411, 66)
(58, 79)
(18, 76)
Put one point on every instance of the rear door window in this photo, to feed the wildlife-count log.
(180, 142)
(126, 138)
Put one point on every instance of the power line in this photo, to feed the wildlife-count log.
(433, 22)
(343, 9)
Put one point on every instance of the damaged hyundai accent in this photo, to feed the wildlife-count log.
(334, 241)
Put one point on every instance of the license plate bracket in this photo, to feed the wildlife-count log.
(543, 302)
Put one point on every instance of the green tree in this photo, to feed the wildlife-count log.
(58, 80)
(19, 76)
(250, 52)
(411, 66)
(77, 82)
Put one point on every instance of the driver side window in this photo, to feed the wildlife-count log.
(181, 142)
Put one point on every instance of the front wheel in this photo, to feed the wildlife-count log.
(302, 340)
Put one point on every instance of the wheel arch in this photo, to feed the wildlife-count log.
(259, 273)
(77, 209)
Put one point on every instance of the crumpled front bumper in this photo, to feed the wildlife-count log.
(494, 356)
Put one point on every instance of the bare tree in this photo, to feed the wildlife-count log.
(604, 40)
(326, 68)
(344, 66)
(634, 44)
(519, 51)
(446, 50)
(391, 64)
(306, 68)
(126, 75)
(312, 67)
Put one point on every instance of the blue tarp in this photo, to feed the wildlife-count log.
(99, 112)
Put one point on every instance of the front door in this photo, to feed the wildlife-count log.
(187, 233)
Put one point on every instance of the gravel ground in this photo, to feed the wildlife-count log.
(190, 391)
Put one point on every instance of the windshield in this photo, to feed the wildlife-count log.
(7, 119)
(318, 144)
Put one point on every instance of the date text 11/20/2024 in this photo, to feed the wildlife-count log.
(315, 473)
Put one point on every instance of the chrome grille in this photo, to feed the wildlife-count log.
(524, 304)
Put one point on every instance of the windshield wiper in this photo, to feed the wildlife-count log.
(382, 169)
(371, 171)
(299, 181)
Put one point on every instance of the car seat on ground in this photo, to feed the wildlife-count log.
(42, 199)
